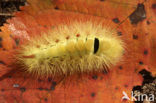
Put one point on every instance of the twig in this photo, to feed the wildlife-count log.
(5, 14)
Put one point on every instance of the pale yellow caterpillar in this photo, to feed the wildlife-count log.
(80, 47)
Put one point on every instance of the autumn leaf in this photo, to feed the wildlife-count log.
(135, 22)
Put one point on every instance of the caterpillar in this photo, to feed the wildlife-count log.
(80, 47)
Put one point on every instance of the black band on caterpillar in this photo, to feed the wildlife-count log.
(96, 45)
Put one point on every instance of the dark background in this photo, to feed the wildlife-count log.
(7, 7)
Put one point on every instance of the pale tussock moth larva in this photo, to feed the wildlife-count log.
(80, 47)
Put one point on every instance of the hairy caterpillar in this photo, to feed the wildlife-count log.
(80, 47)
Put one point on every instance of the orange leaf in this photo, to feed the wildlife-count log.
(40, 16)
